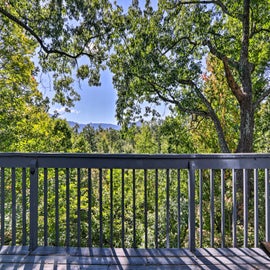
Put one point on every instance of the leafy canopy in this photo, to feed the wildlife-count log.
(161, 57)
(73, 39)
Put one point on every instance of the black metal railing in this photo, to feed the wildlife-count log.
(145, 201)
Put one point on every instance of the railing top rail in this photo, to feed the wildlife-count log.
(136, 161)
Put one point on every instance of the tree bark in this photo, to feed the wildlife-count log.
(243, 91)
(245, 144)
(246, 104)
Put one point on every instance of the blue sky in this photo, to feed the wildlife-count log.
(97, 104)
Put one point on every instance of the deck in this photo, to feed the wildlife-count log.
(117, 258)
(153, 211)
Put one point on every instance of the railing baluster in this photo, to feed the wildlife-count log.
(167, 208)
(256, 209)
(45, 202)
(212, 207)
(123, 209)
(267, 206)
(56, 202)
(234, 213)
(178, 209)
(2, 206)
(200, 207)
(14, 206)
(245, 201)
(134, 207)
(78, 207)
(24, 225)
(145, 210)
(156, 208)
(222, 208)
(67, 207)
(100, 209)
(191, 211)
(90, 200)
(111, 208)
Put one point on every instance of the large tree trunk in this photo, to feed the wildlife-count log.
(246, 106)
(245, 144)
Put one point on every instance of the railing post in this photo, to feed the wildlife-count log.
(33, 241)
(191, 212)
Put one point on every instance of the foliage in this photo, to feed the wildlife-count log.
(262, 135)
(160, 57)
(25, 125)
(68, 34)
(216, 90)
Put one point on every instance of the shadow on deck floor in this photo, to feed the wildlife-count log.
(44, 258)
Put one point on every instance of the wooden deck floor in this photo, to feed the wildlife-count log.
(96, 258)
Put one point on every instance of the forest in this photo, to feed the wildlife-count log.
(207, 61)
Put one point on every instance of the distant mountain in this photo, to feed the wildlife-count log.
(94, 125)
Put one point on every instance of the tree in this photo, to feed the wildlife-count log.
(225, 105)
(25, 124)
(160, 57)
(68, 34)
(18, 87)
(262, 132)
(178, 137)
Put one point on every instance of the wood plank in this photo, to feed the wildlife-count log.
(23, 250)
(116, 258)
(110, 252)
(95, 267)
(97, 260)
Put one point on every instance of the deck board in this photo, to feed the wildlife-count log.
(46, 258)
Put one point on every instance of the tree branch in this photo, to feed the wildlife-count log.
(39, 40)
(221, 137)
(172, 100)
(220, 55)
(264, 95)
(258, 31)
(211, 113)
(236, 89)
(176, 42)
(215, 2)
